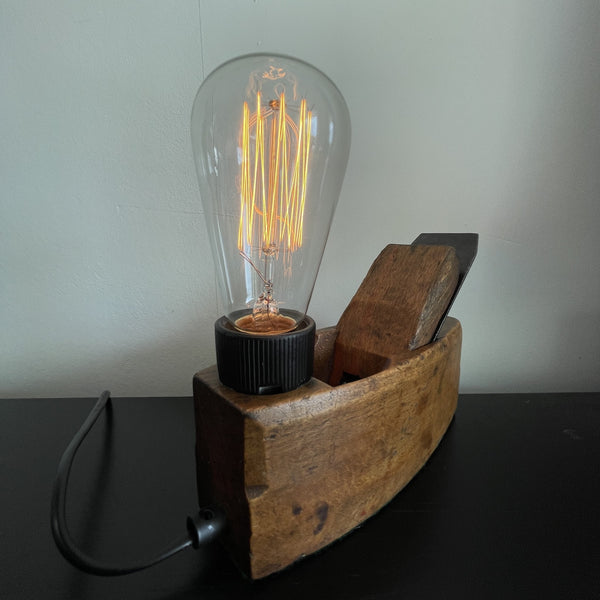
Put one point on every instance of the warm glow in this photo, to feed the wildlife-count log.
(274, 170)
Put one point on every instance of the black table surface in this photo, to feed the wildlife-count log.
(507, 507)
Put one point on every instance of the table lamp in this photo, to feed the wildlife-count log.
(301, 434)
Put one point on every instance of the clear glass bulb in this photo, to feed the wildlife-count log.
(271, 137)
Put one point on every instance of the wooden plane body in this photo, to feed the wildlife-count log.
(294, 472)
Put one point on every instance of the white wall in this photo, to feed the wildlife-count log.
(468, 115)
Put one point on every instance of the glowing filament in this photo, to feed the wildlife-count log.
(274, 171)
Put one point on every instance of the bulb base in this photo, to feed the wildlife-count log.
(264, 364)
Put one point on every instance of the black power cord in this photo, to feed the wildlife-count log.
(204, 527)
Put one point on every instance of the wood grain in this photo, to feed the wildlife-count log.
(397, 308)
(296, 471)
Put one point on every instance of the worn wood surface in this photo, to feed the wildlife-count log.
(296, 471)
(397, 308)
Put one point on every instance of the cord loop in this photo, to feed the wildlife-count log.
(203, 528)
